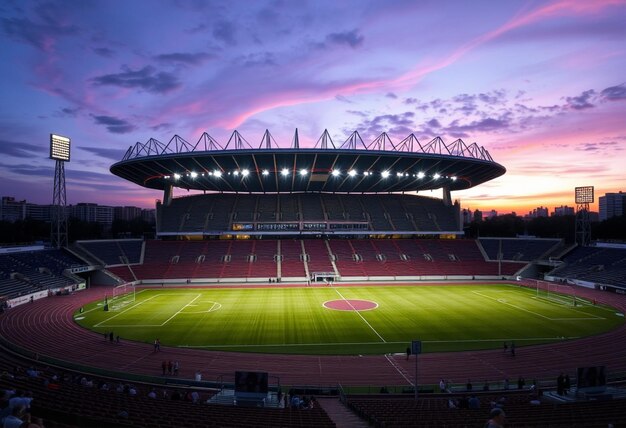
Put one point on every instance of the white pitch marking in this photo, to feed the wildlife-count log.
(359, 314)
(180, 310)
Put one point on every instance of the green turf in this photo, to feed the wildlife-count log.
(293, 320)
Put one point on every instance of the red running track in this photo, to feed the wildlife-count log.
(47, 327)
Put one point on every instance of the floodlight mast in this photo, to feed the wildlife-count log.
(60, 152)
(583, 196)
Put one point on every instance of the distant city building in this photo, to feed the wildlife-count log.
(466, 216)
(492, 214)
(39, 212)
(478, 215)
(148, 215)
(538, 212)
(93, 213)
(12, 210)
(612, 205)
(126, 213)
(563, 210)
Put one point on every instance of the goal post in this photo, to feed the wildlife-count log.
(564, 294)
(122, 295)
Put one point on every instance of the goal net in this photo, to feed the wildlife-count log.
(563, 294)
(123, 295)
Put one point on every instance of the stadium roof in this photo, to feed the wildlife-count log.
(380, 166)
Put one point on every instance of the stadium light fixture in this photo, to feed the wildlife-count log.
(352, 172)
(385, 174)
(236, 173)
(167, 177)
(176, 176)
(245, 172)
(399, 174)
(453, 178)
(303, 172)
(436, 176)
(284, 172)
(59, 148)
(420, 174)
(265, 172)
(217, 173)
(194, 174)
(335, 173)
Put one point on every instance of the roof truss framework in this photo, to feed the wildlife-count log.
(209, 166)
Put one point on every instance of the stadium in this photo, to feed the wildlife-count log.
(325, 271)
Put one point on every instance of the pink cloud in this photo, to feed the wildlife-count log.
(412, 77)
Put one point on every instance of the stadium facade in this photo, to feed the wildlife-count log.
(354, 189)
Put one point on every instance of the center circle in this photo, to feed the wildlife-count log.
(350, 305)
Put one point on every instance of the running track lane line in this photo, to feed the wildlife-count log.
(395, 366)
(359, 314)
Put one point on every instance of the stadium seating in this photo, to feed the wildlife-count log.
(220, 259)
(594, 264)
(114, 252)
(436, 411)
(318, 259)
(518, 249)
(292, 264)
(215, 213)
(31, 271)
(67, 399)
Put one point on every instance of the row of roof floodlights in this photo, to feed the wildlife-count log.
(285, 172)
(383, 142)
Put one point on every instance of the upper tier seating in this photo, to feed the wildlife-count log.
(215, 213)
(115, 251)
(518, 249)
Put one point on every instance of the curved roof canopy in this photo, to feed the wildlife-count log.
(381, 166)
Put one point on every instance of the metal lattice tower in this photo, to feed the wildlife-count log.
(60, 152)
(583, 197)
(583, 225)
(58, 235)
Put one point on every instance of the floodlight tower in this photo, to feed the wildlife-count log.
(583, 197)
(60, 152)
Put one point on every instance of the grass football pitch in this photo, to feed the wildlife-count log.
(323, 320)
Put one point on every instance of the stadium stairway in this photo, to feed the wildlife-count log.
(340, 414)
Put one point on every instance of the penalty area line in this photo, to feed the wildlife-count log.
(180, 310)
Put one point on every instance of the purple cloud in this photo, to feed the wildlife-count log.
(114, 125)
(350, 38)
(42, 35)
(21, 150)
(484, 125)
(582, 101)
(433, 123)
(185, 58)
(104, 52)
(225, 32)
(146, 78)
(112, 154)
(614, 93)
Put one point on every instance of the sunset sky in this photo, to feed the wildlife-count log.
(540, 85)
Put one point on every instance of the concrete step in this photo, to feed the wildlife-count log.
(340, 414)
